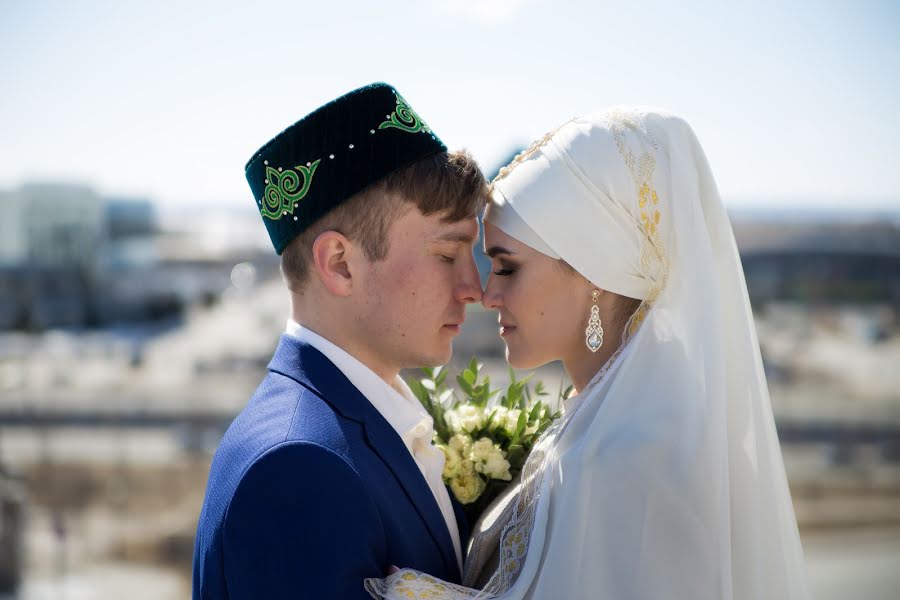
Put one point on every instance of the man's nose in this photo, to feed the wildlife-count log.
(469, 288)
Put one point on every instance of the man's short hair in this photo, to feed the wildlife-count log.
(449, 183)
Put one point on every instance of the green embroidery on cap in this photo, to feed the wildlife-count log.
(405, 118)
(283, 190)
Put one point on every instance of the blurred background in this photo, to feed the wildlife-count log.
(140, 300)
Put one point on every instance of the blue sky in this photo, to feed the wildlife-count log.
(797, 101)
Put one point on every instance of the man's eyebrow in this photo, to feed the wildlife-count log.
(456, 236)
(495, 250)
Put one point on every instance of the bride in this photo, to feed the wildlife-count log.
(663, 478)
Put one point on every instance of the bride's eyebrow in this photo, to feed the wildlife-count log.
(493, 251)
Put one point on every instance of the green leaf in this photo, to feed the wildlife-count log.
(520, 428)
(420, 392)
(490, 420)
(535, 412)
(464, 385)
(469, 376)
(473, 365)
(512, 395)
(439, 380)
(522, 425)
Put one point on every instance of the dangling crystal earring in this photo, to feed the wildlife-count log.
(593, 335)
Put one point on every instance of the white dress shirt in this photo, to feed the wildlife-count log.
(401, 410)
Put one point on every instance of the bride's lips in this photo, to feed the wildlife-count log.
(506, 329)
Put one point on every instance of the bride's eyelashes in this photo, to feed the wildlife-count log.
(447, 259)
(504, 269)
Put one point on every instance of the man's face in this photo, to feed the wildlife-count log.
(414, 301)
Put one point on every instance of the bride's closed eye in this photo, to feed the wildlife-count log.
(504, 268)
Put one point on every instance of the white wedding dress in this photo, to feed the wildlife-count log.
(664, 477)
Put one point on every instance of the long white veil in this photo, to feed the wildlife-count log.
(664, 479)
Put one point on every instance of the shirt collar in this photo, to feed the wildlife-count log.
(396, 403)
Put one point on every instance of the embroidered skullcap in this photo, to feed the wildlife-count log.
(331, 154)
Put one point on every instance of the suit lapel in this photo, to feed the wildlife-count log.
(462, 522)
(309, 367)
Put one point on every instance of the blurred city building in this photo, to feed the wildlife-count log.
(818, 261)
(72, 258)
(12, 530)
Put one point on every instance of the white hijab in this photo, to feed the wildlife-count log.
(665, 478)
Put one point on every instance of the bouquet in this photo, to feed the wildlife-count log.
(485, 440)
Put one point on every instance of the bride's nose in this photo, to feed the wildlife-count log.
(491, 298)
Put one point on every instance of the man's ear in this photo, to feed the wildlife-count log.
(331, 256)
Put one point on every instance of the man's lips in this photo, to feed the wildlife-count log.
(454, 326)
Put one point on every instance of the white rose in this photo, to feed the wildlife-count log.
(470, 418)
(452, 462)
(466, 418)
(467, 488)
(512, 420)
(499, 417)
(482, 449)
(490, 460)
(462, 444)
(466, 468)
(497, 467)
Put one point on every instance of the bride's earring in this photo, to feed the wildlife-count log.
(593, 335)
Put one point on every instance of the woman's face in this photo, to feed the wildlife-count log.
(543, 307)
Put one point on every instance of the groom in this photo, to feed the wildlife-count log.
(328, 475)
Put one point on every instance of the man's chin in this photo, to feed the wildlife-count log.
(433, 358)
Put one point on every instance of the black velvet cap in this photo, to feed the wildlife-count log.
(331, 154)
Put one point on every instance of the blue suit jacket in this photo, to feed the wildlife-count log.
(311, 491)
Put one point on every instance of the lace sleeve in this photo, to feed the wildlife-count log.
(408, 583)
